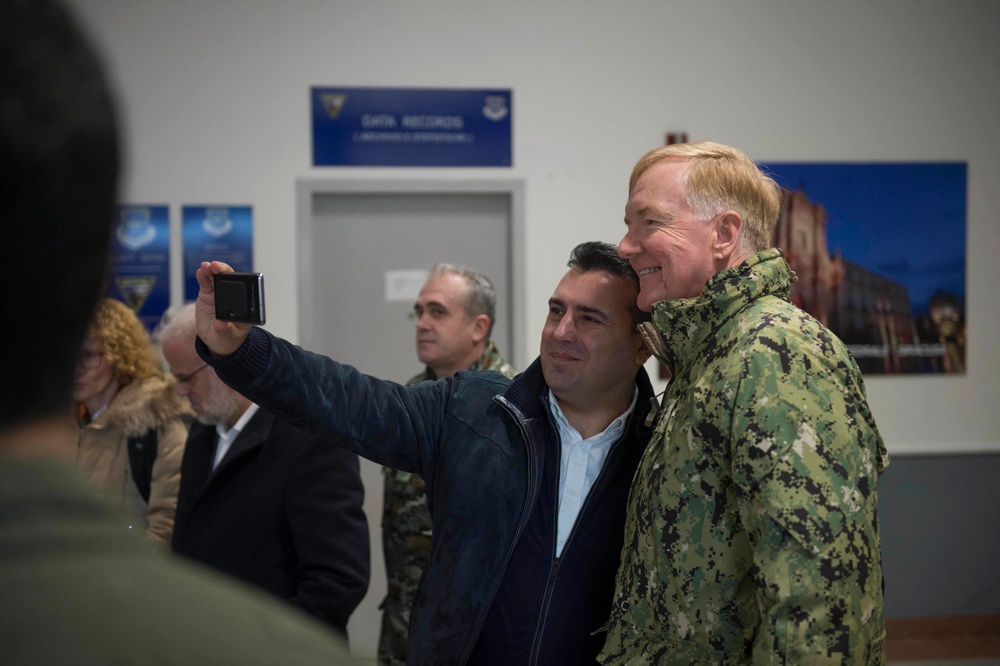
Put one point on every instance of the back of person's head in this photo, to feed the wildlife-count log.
(126, 344)
(723, 178)
(603, 257)
(59, 166)
(481, 297)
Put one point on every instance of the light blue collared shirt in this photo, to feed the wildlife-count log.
(226, 437)
(580, 463)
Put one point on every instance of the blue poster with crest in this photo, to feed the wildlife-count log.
(215, 233)
(139, 260)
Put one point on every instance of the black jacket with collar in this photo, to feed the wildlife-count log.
(478, 440)
(283, 511)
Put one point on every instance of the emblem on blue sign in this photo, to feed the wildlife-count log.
(135, 228)
(217, 222)
(495, 107)
(333, 103)
(135, 289)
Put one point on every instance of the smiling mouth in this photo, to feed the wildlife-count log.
(649, 271)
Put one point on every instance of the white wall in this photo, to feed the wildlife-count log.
(216, 98)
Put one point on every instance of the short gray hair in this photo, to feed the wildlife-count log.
(481, 297)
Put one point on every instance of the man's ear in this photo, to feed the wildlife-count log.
(642, 354)
(480, 328)
(728, 227)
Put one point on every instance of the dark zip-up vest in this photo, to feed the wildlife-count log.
(547, 609)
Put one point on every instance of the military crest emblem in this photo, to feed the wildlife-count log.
(495, 107)
(333, 103)
(217, 222)
(135, 289)
(135, 228)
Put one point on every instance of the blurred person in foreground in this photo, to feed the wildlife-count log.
(752, 533)
(132, 424)
(455, 312)
(77, 587)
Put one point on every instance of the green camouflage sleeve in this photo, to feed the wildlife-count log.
(806, 456)
(406, 543)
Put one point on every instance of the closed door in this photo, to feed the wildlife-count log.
(362, 258)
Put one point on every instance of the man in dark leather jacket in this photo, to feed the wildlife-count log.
(527, 481)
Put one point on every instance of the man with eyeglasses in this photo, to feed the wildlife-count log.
(262, 500)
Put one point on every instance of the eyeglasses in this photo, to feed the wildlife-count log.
(184, 379)
(89, 359)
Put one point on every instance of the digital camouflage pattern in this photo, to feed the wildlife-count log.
(406, 534)
(752, 534)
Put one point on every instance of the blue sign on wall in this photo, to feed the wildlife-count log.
(140, 261)
(411, 127)
(215, 233)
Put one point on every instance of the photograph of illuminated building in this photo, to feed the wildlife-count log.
(879, 250)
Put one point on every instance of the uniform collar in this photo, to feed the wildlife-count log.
(680, 327)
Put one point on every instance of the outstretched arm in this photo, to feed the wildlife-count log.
(379, 420)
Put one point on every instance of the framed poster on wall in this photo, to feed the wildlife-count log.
(215, 233)
(139, 260)
(879, 250)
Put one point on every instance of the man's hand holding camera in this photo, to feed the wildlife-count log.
(222, 337)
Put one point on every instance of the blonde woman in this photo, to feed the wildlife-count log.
(132, 424)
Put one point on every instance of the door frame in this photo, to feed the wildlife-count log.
(307, 189)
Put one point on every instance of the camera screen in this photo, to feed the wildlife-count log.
(231, 299)
(239, 297)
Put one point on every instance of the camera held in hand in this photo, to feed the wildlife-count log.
(239, 297)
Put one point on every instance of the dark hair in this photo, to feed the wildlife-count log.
(58, 172)
(597, 256)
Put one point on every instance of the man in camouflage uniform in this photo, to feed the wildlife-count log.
(455, 311)
(752, 534)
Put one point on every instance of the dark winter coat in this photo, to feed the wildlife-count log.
(479, 442)
(283, 511)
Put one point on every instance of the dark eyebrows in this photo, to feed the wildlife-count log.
(430, 304)
(585, 309)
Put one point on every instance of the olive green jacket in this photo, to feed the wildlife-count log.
(79, 589)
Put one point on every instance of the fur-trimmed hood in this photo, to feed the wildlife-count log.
(143, 404)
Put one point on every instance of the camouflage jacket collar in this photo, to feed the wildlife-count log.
(490, 360)
(680, 327)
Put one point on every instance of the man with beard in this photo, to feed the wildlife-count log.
(262, 500)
